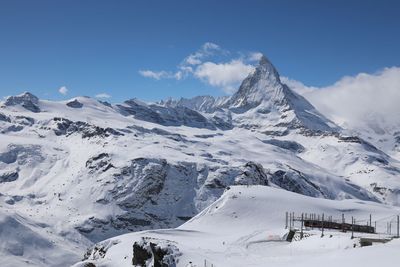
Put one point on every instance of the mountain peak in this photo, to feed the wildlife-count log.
(26, 96)
(262, 84)
(264, 61)
(263, 93)
(267, 69)
(26, 100)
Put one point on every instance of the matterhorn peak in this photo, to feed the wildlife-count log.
(267, 70)
(262, 92)
(262, 84)
(264, 61)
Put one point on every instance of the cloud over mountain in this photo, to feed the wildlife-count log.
(357, 100)
(213, 65)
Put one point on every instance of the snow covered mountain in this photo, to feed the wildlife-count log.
(263, 97)
(383, 134)
(79, 171)
(253, 234)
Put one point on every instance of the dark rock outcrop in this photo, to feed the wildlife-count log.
(9, 177)
(158, 255)
(140, 255)
(297, 182)
(101, 162)
(26, 100)
(74, 104)
(253, 174)
(4, 118)
(284, 144)
(167, 116)
(66, 127)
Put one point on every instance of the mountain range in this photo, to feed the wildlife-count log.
(76, 172)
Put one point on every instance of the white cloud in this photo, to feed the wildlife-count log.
(63, 90)
(103, 95)
(193, 60)
(154, 74)
(255, 56)
(297, 86)
(224, 75)
(206, 50)
(158, 75)
(370, 100)
(210, 46)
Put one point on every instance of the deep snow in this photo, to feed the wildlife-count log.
(246, 227)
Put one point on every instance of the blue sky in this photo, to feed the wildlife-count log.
(94, 47)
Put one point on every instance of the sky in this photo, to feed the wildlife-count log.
(152, 50)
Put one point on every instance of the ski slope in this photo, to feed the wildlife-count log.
(246, 227)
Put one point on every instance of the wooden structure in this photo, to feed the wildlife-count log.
(339, 226)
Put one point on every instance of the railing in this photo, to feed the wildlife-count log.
(323, 221)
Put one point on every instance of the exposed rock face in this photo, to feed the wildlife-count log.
(22, 154)
(207, 104)
(296, 182)
(74, 104)
(287, 145)
(253, 174)
(8, 176)
(358, 140)
(100, 163)
(25, 121)
(140, 255)
(26, 100)
(66, 127)
(167, 116)
(158, 255)
(98, 251)
(4, 118)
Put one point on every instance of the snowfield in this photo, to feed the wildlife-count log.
(246, 227)
(74, 173)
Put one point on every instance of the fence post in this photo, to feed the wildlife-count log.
(322, 234)
(343, 222)
(398, 219)
(302, 222)
(312, 221)
(352, 227)
(286, 220)
(293, 219)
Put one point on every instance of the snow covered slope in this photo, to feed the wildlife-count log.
(92, 170)
(246, 227)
